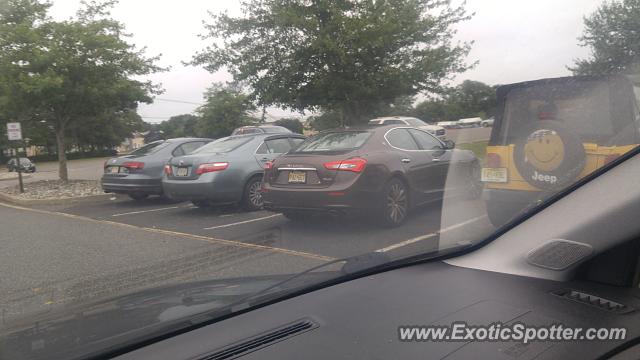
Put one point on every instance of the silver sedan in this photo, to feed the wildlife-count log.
(228, 170)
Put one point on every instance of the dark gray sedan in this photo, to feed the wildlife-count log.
(228, 170)
(139, 174)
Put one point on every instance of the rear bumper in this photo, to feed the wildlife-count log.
(319, 200)
(128, 186)
(207, 187)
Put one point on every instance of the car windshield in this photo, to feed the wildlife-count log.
(338, 141)
(223, 145)
(131, 225)
(149, 149)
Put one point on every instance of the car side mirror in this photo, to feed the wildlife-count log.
(449, 144)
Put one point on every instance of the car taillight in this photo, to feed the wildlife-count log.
(611, 157)
(167, 169)
(268, 165)
(133, 165)
(493, 160)
(211, 167)
(354, 165)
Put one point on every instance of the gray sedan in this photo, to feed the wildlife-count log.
(228, 170)
(139, 174)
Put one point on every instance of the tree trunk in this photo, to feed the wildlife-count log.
(62, 156)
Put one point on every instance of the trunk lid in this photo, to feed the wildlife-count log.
(306, 170)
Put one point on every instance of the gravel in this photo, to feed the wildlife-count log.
(56, 189)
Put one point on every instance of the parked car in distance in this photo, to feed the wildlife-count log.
(470, 122)
(386, 170)
(435, 130)
(449, 124)
(25, 165)
(487, 122)
(261, 129)
(228, 170)
(139, 174)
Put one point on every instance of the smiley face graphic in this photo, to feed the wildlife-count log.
(544, 150)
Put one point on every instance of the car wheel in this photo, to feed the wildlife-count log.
(474, 185)
(138, 196)
(252, 195)
(201, 203)
(395, 203)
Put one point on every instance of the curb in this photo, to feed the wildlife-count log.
(61, 201)
(24, 176)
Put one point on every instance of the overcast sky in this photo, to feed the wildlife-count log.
(514, 41)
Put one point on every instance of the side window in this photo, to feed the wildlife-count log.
(262, 149)
(278, 146)
(401, 139)
(178, 151)
(426, 141)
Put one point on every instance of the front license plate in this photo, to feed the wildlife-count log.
(498, 175)
(297, 177)
(113, 169)
(182, 171)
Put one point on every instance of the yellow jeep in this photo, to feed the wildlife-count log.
(548, 133)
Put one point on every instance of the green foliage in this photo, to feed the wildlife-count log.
(613, 34)
(469, 99)
(225, 109)
(76, 75)
(341, 56)
(179, 126)
(292, 124)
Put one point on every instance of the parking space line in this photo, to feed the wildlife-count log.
(146, 211)
(175, 233)
(428, 236)
(242, 222)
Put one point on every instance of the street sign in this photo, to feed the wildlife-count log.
(14, 131)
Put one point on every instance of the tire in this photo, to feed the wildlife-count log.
(138, 196)
(474, 186)
(203, 204)
(394, 207)
(252, 195)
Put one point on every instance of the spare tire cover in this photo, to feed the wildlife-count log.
(548, 155)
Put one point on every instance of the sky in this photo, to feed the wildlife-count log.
(513, 41)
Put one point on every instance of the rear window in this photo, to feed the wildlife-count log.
(149, 148)
(582, 107)
(223, 145)
(336, 141)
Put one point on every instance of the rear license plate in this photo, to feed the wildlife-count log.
(498, 175)
(113, 169)
(297, 177)
(182, 171)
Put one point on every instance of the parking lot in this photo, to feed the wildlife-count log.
(54, 255)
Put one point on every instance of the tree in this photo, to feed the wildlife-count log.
(469, 99)
(292, 124)
(179, 126)
(225, 109)
(341, 56)
(69, 73)
(613, 34)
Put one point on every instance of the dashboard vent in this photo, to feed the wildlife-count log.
(593, 300)
(260, 341)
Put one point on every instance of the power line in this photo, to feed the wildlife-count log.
(179, 101)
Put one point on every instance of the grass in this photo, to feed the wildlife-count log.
(479, 148)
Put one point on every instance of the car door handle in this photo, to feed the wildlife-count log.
(406, 161)
(435, 159)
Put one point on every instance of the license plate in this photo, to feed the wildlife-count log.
(113, 169)
(498, 175)
(297, 177)
(182, 171)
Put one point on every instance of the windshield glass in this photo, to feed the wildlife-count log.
(118, 234)
(223, 145)
(334, 142)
